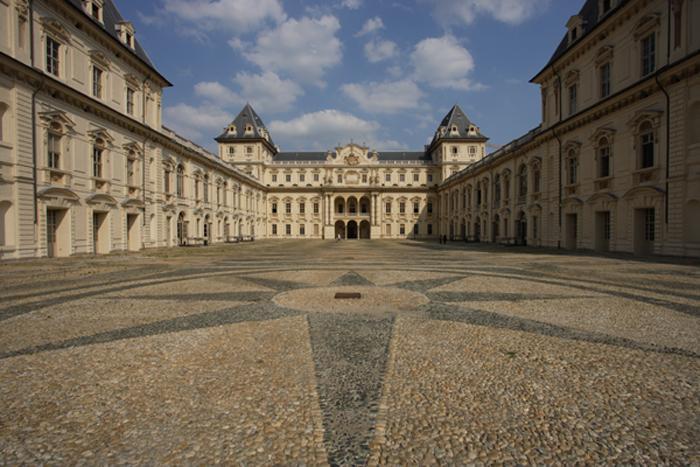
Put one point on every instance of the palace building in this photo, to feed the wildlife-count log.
(86, 166)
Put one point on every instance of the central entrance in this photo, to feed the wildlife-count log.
(352, 230)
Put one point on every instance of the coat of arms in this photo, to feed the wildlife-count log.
(352, 159)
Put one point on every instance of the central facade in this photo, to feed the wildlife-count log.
(352, 192)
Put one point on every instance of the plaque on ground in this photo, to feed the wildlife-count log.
(348, 295)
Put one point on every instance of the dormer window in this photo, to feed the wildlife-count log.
(604, 6)
(454, 130)
(248, 129)
(472, 130)
(231, 130)
(574, 25)
(94, 8)
(126, 33)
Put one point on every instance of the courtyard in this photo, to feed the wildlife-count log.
(452, 354)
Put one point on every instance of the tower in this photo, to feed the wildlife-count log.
(246, 143)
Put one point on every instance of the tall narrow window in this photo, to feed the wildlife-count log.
(572, 166)
(536, 179)
(206, 188)
(649, 54)
(96, 11)
(97, 161)
(604, 158)
(522, 181)
(166, 180)
(605, 80)
(677, 25)
(649, 225)
(54, 151)
(647, 145)
(97, 82)
(180, 181)
(573, 97)
(130, 171)
(53, 49)
(130, 101)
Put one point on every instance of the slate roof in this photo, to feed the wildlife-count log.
(590, 19)
(111, 18)
(300, 156)
(456, 117)
(246, 117)
(405, 156)
(383, 156)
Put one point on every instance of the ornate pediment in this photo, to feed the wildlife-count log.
(352, 155)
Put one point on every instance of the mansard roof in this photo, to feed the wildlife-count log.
(590, 16)
(406, 156)
(236, 129)
(458, 120)
(112, 18)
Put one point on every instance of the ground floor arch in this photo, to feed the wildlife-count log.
(352, 230)
(340, 229)
(365, 230)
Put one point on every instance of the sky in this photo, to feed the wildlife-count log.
(323, 73)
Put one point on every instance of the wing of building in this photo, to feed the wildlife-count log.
(87, 167)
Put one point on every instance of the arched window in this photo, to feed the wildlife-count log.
(167, 172)
(206, 188)
(646, 145)
(536, 178)
(497, 188)
(604, 157)
(180, 182)
(97, 158)
(3, 122)
(694, 122)
(572, 168)
(522, 181)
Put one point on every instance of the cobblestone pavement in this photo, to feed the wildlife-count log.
(454, 354)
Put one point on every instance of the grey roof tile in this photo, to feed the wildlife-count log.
(246, 117)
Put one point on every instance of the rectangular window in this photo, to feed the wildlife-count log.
(415, 229)
(166, 181)
(274, 229)
(647, 150)
(130, 102)
(649, 225)
(604, 155)
(302, 230)
(96, 11)
(416, 208)
(605, 80)
(53, 49)
(288, 178)
(316, 177)
(249, 149)
(677, 26)
(274, 178)
(274, 208)
(364, 178)
(97, 82)
(572, 166)
(430, 229)
(302, 208)
(649, 54)
(340, 178)
(402, 178)
(416, 178)
(288, 229)
(54, 151)
(402, 208)
(606, 225)
(573, 97)
(402, 229)
(97, 162)
(288, 208)
(430, 207)
(387, 208)
(130, 172)
(430, 178)
(316, 208)
(387, 177)
(302, 178)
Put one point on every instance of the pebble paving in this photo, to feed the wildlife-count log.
(454, 354)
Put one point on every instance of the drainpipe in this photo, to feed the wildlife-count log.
(34, 135)
(554, 133)
(668, 109)
(143, 150)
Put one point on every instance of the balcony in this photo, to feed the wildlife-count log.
(603, 184)
(646, 176)
(100, 184)
(571, 189)
(57, 177)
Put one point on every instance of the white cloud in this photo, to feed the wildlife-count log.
(196, 122)
(267, 92)
(326, 129)
(351, 4)
(442, 62)
(379, 50)
(236, 15)
(304, 48)
(449, 12)
(370, 26)
(388, 97)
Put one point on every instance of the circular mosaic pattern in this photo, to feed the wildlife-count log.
(373, 300)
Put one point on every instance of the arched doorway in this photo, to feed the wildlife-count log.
(521, 227)
(477, 230)
(364, 230)
(207, 230)
(364, 206)
(495, 228)
(181, 229)
(339, 206)
(340, 229)
(352, 230)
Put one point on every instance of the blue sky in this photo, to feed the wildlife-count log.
(380, 72)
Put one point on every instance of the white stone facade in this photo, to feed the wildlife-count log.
(87, 167)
